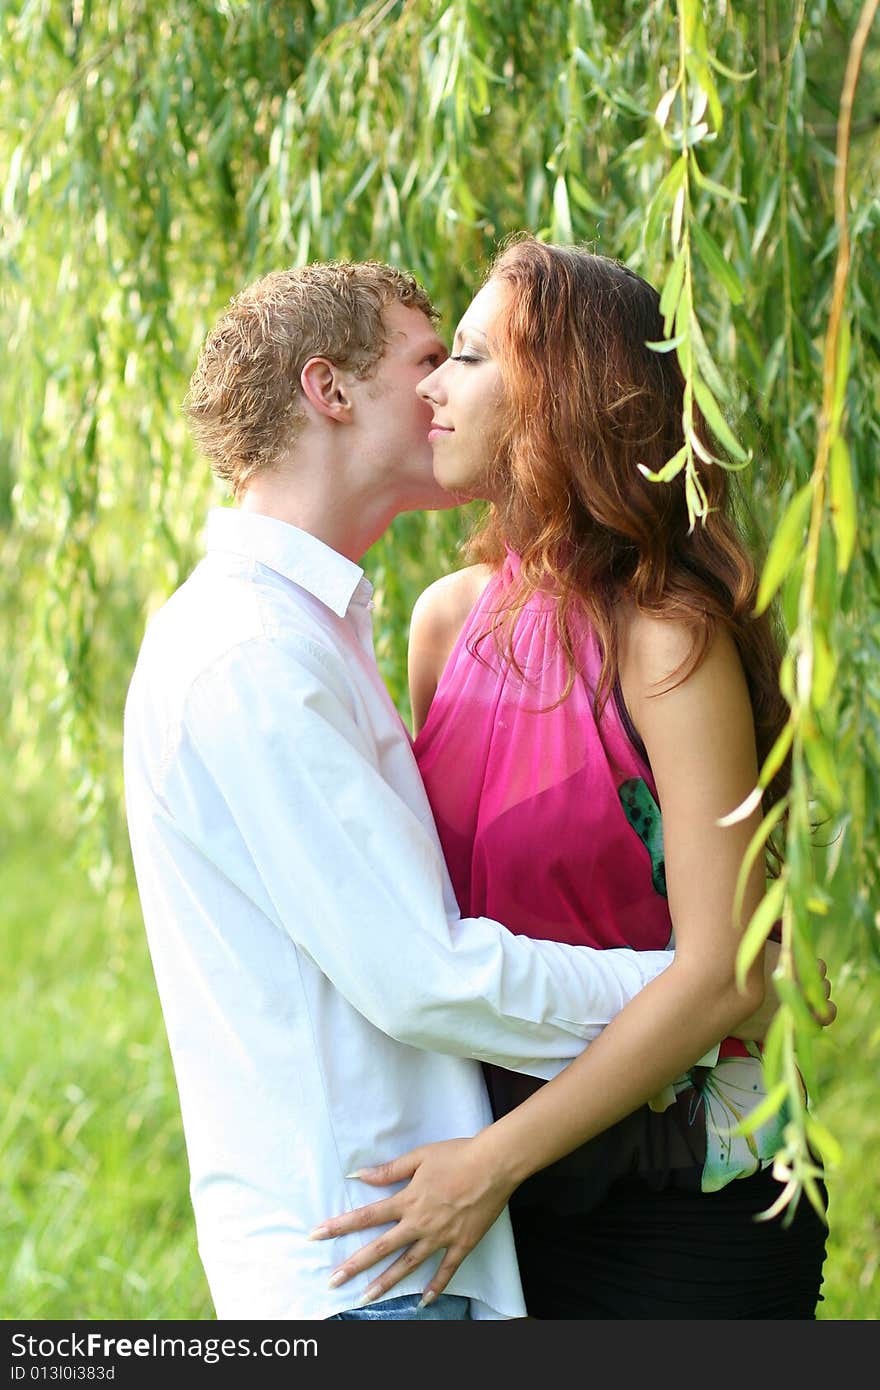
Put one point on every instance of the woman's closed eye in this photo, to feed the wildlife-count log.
(463, 357)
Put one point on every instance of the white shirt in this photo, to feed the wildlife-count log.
(323, 998)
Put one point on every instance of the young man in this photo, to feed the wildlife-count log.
(324, 1001)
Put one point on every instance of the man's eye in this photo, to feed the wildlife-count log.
(434, 360)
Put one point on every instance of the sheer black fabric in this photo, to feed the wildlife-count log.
(672, 1253)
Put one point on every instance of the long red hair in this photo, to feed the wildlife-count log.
(588, 403)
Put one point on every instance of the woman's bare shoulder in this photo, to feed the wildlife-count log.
(656, 649)
(440, 610)
(652, 645)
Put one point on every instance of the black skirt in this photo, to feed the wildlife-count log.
(671, 1252)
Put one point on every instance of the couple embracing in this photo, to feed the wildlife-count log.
(496, 957)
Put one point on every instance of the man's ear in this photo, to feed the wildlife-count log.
(325, 387)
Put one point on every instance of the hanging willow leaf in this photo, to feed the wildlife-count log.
(792, 998)
(756, 847)
(843, 502)
(759, 928)
(665, 196)
(562, 211)
(718, 267)
(669, 470)
(711, 186)
(671, 291)
(664, 106)
(821, 761)
(841, 375)
(716, 421)
(785, 546)
(665, 344)
(824, 666)
(764, 216)
(729, 72)
(763, 1112)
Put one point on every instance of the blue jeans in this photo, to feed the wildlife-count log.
(448, 1306)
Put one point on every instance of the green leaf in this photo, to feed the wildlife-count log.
(362, 182)
(665, 195)
(692, 135)
(315, 195)
(670, 469)
(760, 925)
(843, 502)
(439, 82)
(712, 186)
(785, 546)
(755, 847)
(824, 666)
(774, 1044)
(772, 363)
(690, 10)
(710, 373)
(702, 74)
(671, 291)
(824, 1142)
(768, 1107)
(697, 504)
(716, 421)
(584, 198)
(777, 754)
(821, 760)
(677, 219)
(841, 375)
(665, 344)
(791, 997)
(718, 266)
(729, 72)
(664, 106)
(13, 180)
(562, 211)
(765, 213)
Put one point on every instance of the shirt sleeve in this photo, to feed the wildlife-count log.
(296, 813)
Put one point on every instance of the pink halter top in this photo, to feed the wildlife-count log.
(548, 818)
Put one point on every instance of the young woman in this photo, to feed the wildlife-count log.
(598, 663)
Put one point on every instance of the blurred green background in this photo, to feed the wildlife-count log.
(156, 157)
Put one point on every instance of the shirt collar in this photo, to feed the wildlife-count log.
(293, 553)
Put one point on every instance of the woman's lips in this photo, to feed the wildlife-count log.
(438, 431)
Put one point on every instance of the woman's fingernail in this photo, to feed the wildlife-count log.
(426, 1298)
(319, 1233)
(336, 1279)
(358, 1173)
(369, 1297)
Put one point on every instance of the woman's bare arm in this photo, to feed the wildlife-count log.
(438, 616)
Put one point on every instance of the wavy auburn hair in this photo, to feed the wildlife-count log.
(587, 403)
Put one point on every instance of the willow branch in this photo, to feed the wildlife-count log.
(838, 294)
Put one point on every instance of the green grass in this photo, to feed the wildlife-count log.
(95, 1221)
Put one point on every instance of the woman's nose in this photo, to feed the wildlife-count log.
(429, 388)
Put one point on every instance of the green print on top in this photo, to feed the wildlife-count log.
(643, 814)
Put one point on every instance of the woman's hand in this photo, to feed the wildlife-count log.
(454, 1195)
(757, 1025)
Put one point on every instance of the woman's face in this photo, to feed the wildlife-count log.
(467, 396)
